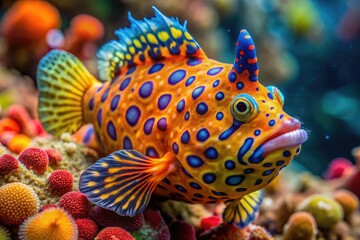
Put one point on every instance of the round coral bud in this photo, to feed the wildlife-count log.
(54, 156)
(8, 163)
(17, 203)
(87, 228)
(153, 217)
(300, 226)
(76, 204)
(326, 211)
(348, 201)
(34, 159)
(51, 224)
(114, 233)
(60, 182)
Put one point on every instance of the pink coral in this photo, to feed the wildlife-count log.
(54, 156)
(22, 117)
(8, 163)
(34, 159)
(60, 182)
(114, 233)
(339, 167)
(76, 204)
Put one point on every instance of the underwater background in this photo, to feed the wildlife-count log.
(309, 49)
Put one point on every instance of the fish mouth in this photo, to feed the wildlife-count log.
(286, 140)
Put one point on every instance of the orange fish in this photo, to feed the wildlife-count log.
(175, 123)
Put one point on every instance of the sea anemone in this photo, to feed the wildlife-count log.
(18, 143)
(17, 202)
(300, 226)
(326, 211)
(181, 230)
(87, 228)
(76, 204)
(60, 182)
(50, 224)
(8, 163)
(114, 233)
(54, 156)
(34, 159)
(4, 233)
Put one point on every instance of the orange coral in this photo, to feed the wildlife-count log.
(18, 143)
(17, 202)
(7, 124)
(26, 23)
(50, 224)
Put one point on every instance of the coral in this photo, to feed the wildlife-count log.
(18, 143)
(8, 163)
(339, 167)
(224, 232)
(326, 211)
(182, 231)
(352, 183)
(348, 201)
(17, 202)
(54, 156)
(22, 117)
(107, 218)
(154, 227)
(5, 137)
(50, 224)
(258, 233)
(76, 204)
(300, 226)
(209, 222)
(4, 233)
(47, 206)
(34, 159)
(87, 228)
(9, 125)
(60, 182)
(114, 233)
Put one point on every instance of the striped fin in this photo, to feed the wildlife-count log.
(243, 211)
(246, 59)
(124, 181)
(145, 41)
(62, 81)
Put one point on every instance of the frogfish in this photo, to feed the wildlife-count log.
(171, 121)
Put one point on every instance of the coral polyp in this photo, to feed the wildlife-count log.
(8, 163)
(34, 159)
(60, 182)
(50, 224)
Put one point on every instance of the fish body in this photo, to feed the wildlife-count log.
(174, 122)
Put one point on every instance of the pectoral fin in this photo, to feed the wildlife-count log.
(124, 180)
(241, 212)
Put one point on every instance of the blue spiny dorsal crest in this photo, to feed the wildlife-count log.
(145, 41)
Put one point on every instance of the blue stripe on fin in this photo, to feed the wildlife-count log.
(124, 181)
(145, 41)
(242, 211)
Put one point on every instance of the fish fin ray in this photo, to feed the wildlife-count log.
(241, 212)
(145, 41)
(62, 81)
(124, 180)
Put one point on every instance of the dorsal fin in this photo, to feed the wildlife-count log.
(144, 41)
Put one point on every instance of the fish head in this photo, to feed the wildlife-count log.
(246, 139)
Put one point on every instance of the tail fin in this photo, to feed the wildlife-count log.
(62, 81)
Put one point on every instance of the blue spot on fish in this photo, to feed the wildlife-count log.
(189, 81)
(125, 83)
(197, 92)
(229, 165)
(146, 89)
(180, 106)
(164, 101)
(132, 115)
(127, 144)
(111, 130)
(202, 135)
(155, 68)
(194, 61)
(219, 116)
(148, 126)
(244, 149)
(185, 137)
(235, 180)
(232, 77)
(177, 76)
(214, 71)
(194, 161)
(114, 103)
(202, 108)
(194, 185)
(211, 153)
(228, 132)
(209, 178)
(105, 95)
(216, 83)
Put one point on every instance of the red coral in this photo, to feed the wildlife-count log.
(106, 218)
(60, 182)
(22, 117)
(209, 222)
(54, 156)
(182, 231)
(34, 159)
(339, 167)
(114, 233)
(76, 204)
(8, 163)
(8, 124)
(87, 229)
(153, 217)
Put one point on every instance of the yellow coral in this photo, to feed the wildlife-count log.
(19, 143)
(17, 203)
(50, 224)
(4, 233)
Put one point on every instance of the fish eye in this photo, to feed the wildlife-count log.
(277, 94)
(243, 108)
